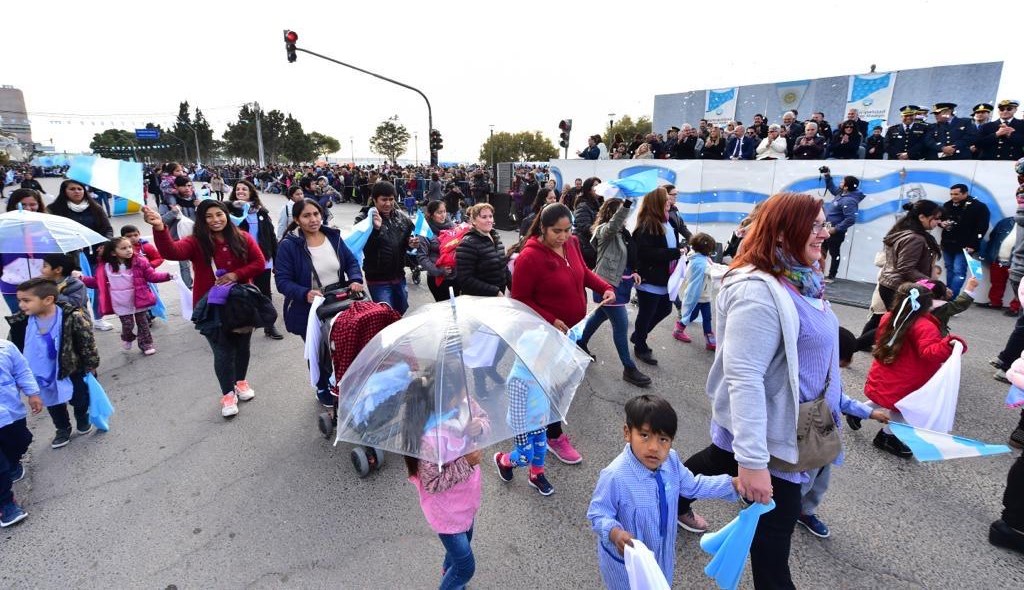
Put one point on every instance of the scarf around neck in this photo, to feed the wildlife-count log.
(808, 280)
(79, 207)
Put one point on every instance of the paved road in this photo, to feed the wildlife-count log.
(175, 496)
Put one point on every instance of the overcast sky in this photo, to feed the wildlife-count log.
(515, 65)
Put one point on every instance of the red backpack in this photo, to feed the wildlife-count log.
(448, 241)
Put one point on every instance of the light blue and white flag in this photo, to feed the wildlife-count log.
(929, 445)
(871, 95)
(422, 228)
(720, 107)
(636, 185)
(117, 177)
(1014, 397)
(973, 265)
(357, 237)
(790, 94)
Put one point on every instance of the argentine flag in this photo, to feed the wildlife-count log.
(357, 237)
(929, 445)
(117, 177)
(421, 228)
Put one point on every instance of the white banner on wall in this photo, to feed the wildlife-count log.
(791, 93)
(871, 95)
(715, 195)
(720, 106)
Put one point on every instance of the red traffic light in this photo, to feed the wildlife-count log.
(291, 36)
(565, 124)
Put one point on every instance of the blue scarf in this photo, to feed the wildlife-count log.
(808, 280)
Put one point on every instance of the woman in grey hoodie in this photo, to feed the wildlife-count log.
(778, 348)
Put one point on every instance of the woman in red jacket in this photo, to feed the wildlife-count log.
(550, 276)
(909, 349)
(216, 239)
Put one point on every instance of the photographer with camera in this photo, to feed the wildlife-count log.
(840, 214)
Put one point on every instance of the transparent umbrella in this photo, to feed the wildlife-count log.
(31, 232)
(457, 376)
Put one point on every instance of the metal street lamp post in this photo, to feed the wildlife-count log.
(352, 146)
(199, 161)
(416, 146)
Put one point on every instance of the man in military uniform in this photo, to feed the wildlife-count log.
(980, 114)
(907, 140)
(951, 135)
(1003, 139)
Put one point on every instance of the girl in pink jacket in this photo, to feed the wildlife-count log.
(121, 281)
(446, 474)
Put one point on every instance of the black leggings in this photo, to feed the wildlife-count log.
(230, 358)
(440, 293)
(262, 282)
(769, 553)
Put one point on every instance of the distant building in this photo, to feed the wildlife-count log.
(14, 115)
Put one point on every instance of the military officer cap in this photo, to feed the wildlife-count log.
(922, 111)
(910, 110)
(674, 128)
(1009, 103)
(942, 106)
(982, 107)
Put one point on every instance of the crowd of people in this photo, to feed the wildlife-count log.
(764, 317)
(946, 137)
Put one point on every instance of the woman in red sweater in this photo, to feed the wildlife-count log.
(216, 238)
(550, 276)
(909, 349)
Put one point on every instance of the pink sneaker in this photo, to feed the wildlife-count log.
(243, 391)
(710, 342)
(679, 333)
(563, 449)
(126, 345)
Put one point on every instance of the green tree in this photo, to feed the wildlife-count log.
(628, 128)
(296, 146)
(524, 146)
(114, 143)
(391, 139)
(324, 144)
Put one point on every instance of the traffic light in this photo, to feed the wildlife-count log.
(566, 127)
(290, 37)
(436, 141)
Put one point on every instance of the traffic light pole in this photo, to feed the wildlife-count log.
(430, 112)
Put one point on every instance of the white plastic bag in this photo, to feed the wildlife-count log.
(311, 350)
(933, 406)
(184, 296)
(642, 568)
(675, 280)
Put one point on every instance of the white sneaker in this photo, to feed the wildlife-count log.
(229, 405)
(243, 391)
(102, 325)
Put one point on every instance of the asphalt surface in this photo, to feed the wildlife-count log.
(175, 496)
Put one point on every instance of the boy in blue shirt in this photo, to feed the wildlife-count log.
(637, 495)
(58, 342)
(14, 434)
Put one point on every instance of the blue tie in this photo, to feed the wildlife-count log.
(662, 504)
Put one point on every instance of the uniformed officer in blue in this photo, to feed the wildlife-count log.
(952, 136)
(980, 115)
(1003, 139)
(906, 140)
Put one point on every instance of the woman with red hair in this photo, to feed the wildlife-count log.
(777, 358)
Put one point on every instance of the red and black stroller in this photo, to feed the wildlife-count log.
(348, 322)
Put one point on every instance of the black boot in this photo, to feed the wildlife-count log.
(633, 376)
(271, 332)
(645, 356)
(584, 348)
(1001, 534)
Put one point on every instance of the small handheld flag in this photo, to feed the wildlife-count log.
(928, 445)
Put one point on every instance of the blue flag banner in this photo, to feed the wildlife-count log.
(929, 445)
(1014, 397)
(159, 310)
(86, 268)
(422, 229)
(100, 408)
(637, 185)
(973, 265)
(358, 236)
(117, 177)
(730, 546)
(871, 95)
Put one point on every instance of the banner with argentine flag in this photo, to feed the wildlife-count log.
(791, 93)
(720, 105)
(421, 228)
(871, 95)
(929, 445)
(117, 177)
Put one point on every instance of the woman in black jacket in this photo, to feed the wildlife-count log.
(429, 250)
(845, 145)
(258, 223)
(584, 214)
(657, 252)
(480, 258)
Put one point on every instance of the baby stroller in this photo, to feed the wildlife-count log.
(348, 322)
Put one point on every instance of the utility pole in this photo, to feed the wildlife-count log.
(259, 134)
(352, 146)
(416, 146)
(199, 161)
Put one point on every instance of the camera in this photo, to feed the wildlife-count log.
(823, 170)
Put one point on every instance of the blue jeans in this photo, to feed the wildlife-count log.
(813, 491)
(531, 449)
(12, 302)
(704, 311)
(394, 294)
(955, 264)
(619, 318)
(459, 564)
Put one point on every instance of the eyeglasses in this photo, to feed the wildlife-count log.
(818, 226)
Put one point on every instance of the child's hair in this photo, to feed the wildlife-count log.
(182, 181)
(912, 301)
(129, 229)
(62, 261)
(847, 345)
(110, 256)
(419, 405)
(937, 287)
(40, 287)
(703, 243)
(653, 411)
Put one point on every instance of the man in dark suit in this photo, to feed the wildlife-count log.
(952, 135)
(740, 146)
(1002, 139)
(791, 130)
(908, 139)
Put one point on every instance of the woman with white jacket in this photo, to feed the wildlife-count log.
(772, 147)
